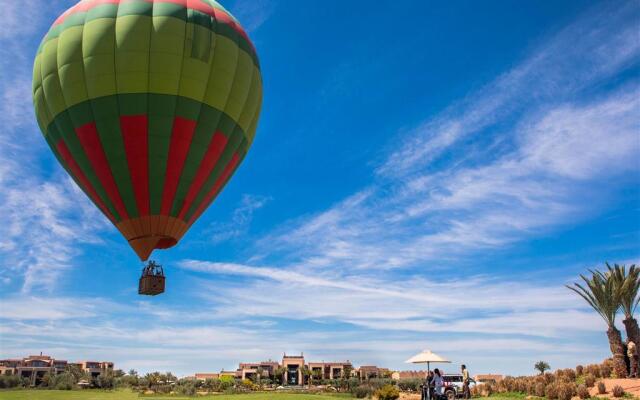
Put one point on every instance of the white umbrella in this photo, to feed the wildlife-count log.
(427, 357)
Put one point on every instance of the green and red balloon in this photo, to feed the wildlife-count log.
(150, 105)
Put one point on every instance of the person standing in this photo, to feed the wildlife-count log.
(465, 382)
(632, 353)
(438, 383)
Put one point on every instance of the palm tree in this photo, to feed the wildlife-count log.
(279, 374)
(601, 294)
(628, 285)
(306, 372)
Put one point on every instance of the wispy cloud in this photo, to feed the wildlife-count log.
(415, 304)
(583, 54)
(253, 13)
(46, 216)
(514, 160)
(136, 340)
(527, 160)
(240, 220)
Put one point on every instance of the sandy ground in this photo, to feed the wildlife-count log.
(409, 396)
(631, 386)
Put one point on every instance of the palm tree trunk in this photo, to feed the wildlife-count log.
(617, 349)
(633, 333)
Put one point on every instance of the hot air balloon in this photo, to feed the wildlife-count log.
(150, 106)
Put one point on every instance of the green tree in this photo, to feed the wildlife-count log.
(305, 372)
(542, 366)
(106, 379)
(279, 374)
(77, 372)
(600, 293)
(259, 373)
(628, 285)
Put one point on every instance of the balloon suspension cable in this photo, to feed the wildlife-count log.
(152, 268)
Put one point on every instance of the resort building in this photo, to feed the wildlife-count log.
(399, 375)
(205, 376)
(35, 367)
(294, 370)
(488, 378)
(265, 369)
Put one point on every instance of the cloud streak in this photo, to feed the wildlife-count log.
(528, 155)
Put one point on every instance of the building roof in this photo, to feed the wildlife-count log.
(410, 374)
(496, 377)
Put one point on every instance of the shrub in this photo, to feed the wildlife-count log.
(539, 389)
(551, 391)
(570, 374)
(579, 370)
(361, 392)
(589, 381)
(410, 385)
(10, 381)
(187, 389)
(566, 391)
(617, 391)
(63, 381)
(105, 381)
(605, 371)
(548, 378)
(583, 392)
(377, 383)
(387, 392)
(489, 389)
(602, 388)
(593, 370)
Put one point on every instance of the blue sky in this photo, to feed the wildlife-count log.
(425, 175)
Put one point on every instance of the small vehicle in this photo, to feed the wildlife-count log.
(453, 384)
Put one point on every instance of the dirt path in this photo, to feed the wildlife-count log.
(631, 386)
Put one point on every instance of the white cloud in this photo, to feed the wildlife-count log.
(583, 54)
(533, 148)
(26, 308)
(413, 304)
(252, 13)
(46, 217)
(240, 220)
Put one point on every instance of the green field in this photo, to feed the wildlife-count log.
(125, 395)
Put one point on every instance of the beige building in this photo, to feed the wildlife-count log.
(35, 367)
(295, 370)
(399, 375)
(488, 378)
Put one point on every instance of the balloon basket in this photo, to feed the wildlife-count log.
(152, 281)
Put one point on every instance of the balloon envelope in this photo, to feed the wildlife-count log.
(150, 106)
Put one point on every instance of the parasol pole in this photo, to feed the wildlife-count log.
(428, 383)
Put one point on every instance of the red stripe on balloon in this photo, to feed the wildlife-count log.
(197, 5)
(228, 170)
(83, 6)
(181, 136)
(136, 145)
(88, 135)
(216, 146)
(82, 178)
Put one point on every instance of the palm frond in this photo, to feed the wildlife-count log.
(601, 293)
(627, 286)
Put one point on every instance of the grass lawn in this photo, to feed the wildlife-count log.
(126, 395)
